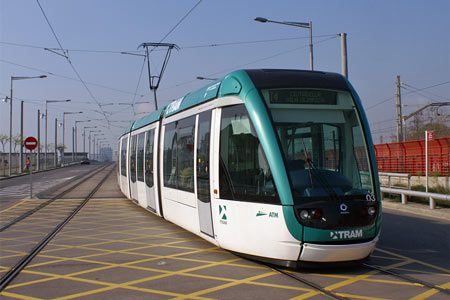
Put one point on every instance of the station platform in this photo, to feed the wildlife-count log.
(113, 249)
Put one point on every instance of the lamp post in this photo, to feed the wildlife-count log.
(76, 136)
(90, 141)
(96, 135)
(64, 131)
(11, 112)
(46, 118)
(84, 137)
(296, 24)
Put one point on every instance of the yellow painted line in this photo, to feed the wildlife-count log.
(360, 297)
(306, 296)
(425, 295)
(15, 205)
(414, 260)
(17, 296)
(360, 278)
(127, 284)
(280, 286)
(227, 285)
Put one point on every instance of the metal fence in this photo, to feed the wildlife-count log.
(409, 157)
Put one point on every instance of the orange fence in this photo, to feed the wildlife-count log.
(409, 157)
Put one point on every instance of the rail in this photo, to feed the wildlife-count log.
(398, 175)
(431, 196)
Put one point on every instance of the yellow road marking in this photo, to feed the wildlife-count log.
(18, 296)
(361, 277)
(414, 260)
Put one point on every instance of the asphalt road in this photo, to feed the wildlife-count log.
(15, 189)
(426, 239)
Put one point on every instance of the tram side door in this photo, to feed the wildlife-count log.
(203, 168)
(150, 170)
(132, 168)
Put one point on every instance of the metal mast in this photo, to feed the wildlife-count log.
(154, 80)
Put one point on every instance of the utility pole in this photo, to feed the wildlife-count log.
(39, 140)
(400, 137)
(21, 138)
(56, 143)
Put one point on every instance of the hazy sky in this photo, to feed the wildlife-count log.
(409, 38)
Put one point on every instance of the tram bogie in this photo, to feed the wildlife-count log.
(273, 164)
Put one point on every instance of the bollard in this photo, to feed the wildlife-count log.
(404, 199)
(432, 203)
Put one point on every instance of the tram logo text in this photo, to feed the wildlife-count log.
(347, 234)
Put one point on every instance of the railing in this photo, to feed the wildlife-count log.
(431, 196)
(396, 175)
(409, 157)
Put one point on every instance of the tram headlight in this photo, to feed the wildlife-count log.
(304, 214)
(371, 211)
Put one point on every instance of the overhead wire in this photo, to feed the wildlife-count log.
(181, 47)
(65, 77)
(66, 54)
(410, 92)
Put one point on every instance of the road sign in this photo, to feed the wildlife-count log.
(430, 135)
(30, 143)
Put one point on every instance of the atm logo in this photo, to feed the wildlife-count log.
(346, 234)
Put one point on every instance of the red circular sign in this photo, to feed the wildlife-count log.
(30, 143)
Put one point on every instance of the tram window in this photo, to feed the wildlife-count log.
(244, 172)
(123, 157)
(140, 157)
(149, 158)
(362, 177)
(185, 154)
(133, 159)
(170, 155)
(179, 154)
(204, 128)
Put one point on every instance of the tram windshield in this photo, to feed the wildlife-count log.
(323, 143)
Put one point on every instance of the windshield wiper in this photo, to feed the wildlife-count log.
(307, 163)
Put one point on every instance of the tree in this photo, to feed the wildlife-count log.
(4, 139)
(17, 141)
(431, 121)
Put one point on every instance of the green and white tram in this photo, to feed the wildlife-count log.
(273, 164)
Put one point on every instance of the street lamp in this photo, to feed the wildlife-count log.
(96, 135)
(206, 78)
(76, 136)
(296, 24)
(64, 130)
(11, 113)
(46, 117)
(84, 137)
(90, 141)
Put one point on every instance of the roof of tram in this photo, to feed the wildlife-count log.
(240, 82)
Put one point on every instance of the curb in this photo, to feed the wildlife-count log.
(418, 209)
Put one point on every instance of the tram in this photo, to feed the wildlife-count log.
(276, 165)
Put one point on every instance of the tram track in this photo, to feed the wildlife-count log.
(333, 295)
(311, 284)
(6, 279)
(407, 278)
(59, 196)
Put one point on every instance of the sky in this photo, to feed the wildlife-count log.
(385, 39)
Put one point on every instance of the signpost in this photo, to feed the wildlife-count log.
(31, 143)
(429, 136)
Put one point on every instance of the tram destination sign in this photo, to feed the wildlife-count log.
(30, 143)
(302, 96)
